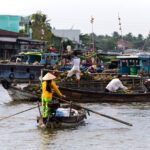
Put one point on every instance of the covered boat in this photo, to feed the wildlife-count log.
(28, 66)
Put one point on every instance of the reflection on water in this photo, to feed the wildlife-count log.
(97, 133)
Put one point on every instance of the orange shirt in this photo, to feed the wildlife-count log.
(47, 94)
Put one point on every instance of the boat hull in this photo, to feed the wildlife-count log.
(87, 93)
(22, 95)
(63, 122)
(20, 71)
(84, 96)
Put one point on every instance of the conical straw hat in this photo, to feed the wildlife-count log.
(48, 76)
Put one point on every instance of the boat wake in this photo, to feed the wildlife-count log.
(4, 96)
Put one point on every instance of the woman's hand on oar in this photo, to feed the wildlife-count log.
(63, 96)
(116, 119)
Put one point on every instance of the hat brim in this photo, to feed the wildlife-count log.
(49, 76)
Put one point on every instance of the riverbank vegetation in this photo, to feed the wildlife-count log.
(41, 29)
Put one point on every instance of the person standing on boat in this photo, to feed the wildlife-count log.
(48, 87)
(76, 67)
(47, 62)
(115, 84)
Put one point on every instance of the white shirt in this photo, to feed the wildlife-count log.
(18, 59)
(76, 63)
(114, 85)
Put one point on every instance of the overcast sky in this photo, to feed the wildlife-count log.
(76, 14)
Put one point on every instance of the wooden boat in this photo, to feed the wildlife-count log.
(94, 92)
(75, 118)
(89, 91)
(22, 92)
(84, 96)
(22, 95)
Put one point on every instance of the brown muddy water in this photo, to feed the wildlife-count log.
(98, 133)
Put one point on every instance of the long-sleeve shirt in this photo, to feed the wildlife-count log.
(114, 85)
(47, 94)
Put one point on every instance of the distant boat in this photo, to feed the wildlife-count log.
(29, 68)
(134, 64)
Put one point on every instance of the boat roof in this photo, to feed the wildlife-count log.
(127, 56)
(39, 53)
(32, 53)
(141, 56)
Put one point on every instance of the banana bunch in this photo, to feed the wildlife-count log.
(128, 91)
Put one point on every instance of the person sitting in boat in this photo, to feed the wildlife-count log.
(115, 84)
(48, 87)
(146, 85)
(18, 60)
(76, 68)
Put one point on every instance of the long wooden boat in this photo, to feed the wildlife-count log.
(84, 96)
(92, 91)
(75, 118)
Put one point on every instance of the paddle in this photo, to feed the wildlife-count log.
(90, 110)
(18, 113)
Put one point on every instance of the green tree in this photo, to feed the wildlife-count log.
(138, 42)
(41, 29)
(116, 36)
(128, 37)
(86, 40)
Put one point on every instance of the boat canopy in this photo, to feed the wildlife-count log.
(134, 64)
(127, 57)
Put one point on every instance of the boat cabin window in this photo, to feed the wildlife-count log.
(53, 58)
(33, 58)
(131, 62)
(145, 62)
(124, 63)
(22, 57)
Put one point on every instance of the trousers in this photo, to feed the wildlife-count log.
(45, 107)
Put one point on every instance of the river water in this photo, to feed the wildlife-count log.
(98, 133)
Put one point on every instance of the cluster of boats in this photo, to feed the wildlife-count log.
(89, 91)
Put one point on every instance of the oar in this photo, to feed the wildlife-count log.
(18, 113)
(90, 110)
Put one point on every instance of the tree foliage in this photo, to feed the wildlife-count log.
(106, 42)
(41, 29)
